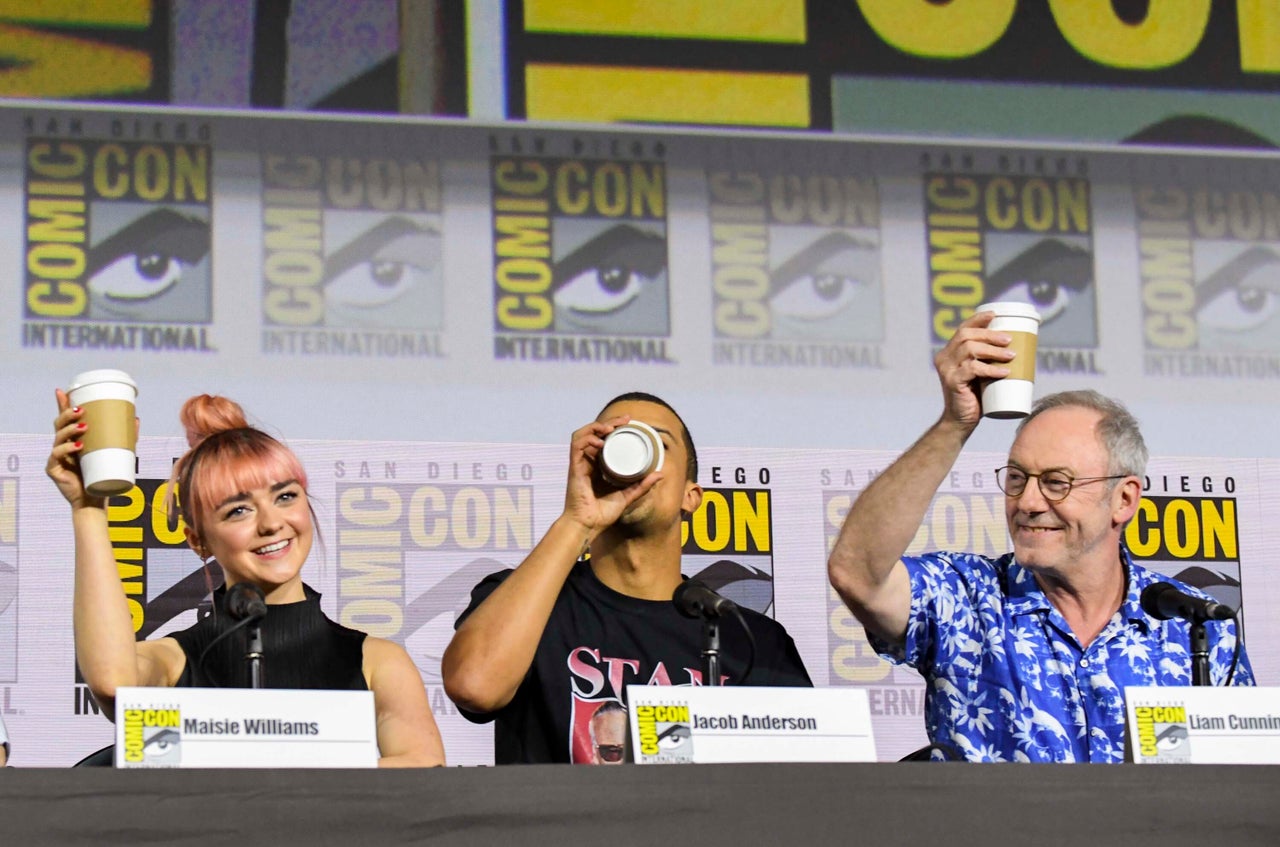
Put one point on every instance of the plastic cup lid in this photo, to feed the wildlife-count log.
(101, 375)
(1011, 309)
(627, 451)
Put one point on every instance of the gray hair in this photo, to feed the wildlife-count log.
(1117, 430)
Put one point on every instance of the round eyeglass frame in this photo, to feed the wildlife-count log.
(1071, 481)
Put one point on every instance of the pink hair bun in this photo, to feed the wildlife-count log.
(206, 414)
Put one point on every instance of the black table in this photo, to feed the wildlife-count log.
(857, 804)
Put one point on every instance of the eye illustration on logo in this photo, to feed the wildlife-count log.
(192, 589)
(828, 289)
(448, 597)
(144, 262)
(1052, 276)
(1171, 738)
(387, 276)
(1237, 302)
(1222, 585)
(674, 737)
(164, 744)
(8, 585)
(748, 587)
(611, 283)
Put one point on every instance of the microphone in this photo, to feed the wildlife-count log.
(1164, 601)
(246, 600)
(694, 599)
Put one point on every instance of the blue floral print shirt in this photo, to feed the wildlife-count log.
(1007, 681)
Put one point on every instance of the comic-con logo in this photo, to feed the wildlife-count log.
(9, 578)
(153, 737)
(116, 244)
(795, 269)
(665, 733)
(409, 554)
(580, 259)
(967, 514)
(728, 544)
(1162, 733)
(352, 256)
(163, 580)
(1209, 263)
(1186, 527)
(1025, 238)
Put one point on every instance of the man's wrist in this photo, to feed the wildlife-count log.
(574, 529)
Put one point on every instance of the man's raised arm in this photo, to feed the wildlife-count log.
(865, 566)
(494, 647)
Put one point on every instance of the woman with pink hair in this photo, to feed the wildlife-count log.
(243, 498)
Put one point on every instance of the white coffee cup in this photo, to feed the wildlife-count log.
(1011, 397)
(630, 453)
(108, 458)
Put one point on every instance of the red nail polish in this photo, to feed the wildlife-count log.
(82, 426)
(76, 409)
(79, 444)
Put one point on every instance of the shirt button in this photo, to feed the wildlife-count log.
(1084, 663)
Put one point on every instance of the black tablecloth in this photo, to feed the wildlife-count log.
(863, 804)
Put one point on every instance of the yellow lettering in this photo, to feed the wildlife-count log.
(1171, 30)
(939, 31)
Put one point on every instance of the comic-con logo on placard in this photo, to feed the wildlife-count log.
(1162, 734)
(795, 268)
(409, 553)
(580, 254)
(152, 737)
(116, 239)
(728, 541)
(966, 514)
(9, 576)
(665, 733)
(1186, 528)
(163, 579)
(1023, 232)
(1209, 263)
(352, 256)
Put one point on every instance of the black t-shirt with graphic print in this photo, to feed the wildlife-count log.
(598, 641)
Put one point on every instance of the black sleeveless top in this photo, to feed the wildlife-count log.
(302, 648)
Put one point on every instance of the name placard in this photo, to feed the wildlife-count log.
(1203, 725)
(244, 728)
(674, 724)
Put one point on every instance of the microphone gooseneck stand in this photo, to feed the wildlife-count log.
(711, 650)
(1199, 654)
(253, 652)
(247, 604)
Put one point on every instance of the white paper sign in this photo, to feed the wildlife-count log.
(1237, 725)
(244, 728)
(673, 724)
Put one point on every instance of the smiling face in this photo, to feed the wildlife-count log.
(244, 500)
(1084, 529)
(262, 536)
(661, 507)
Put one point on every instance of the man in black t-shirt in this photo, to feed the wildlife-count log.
(542, 648)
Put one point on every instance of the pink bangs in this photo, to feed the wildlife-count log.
(231, 462)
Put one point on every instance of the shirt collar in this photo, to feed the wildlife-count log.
(1024, 592)
(1025, 596)
(1139, 578)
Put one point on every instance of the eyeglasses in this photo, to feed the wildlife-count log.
(611, 752)
(1054, 485)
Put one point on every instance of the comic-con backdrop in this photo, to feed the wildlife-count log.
(1156, 71)
(427, 310)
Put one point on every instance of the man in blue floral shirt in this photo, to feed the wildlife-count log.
(1025, 657)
